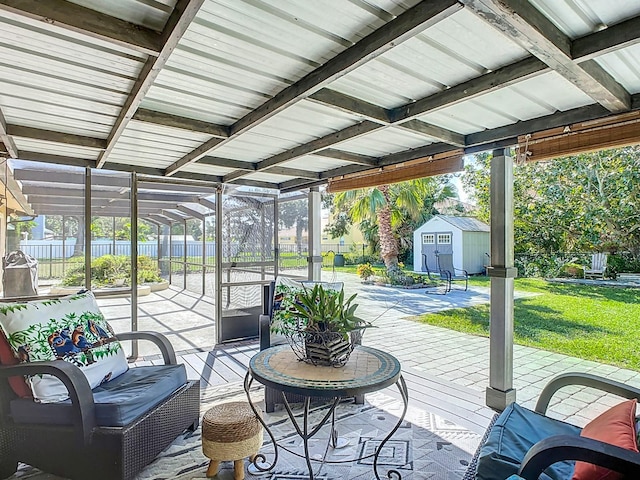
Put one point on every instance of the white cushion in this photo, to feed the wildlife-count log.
(71, 329)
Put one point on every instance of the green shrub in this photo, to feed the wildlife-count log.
(365, 271)
(105, 270)
(573, 270)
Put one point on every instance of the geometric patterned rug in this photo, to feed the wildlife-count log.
(425, 446)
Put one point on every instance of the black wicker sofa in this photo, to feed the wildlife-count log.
(110, 432)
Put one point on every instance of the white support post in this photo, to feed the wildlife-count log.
(502, 272)
(315, 235)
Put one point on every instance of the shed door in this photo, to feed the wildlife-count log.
(433, 243)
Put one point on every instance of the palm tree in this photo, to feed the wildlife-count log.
(389, 206)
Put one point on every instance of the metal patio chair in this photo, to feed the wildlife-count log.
(448, 271)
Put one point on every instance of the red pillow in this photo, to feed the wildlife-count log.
(7, 357)
(615, 426)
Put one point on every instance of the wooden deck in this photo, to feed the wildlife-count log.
(227, 364)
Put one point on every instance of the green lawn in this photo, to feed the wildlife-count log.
(591, 322)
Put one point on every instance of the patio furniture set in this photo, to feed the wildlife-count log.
(82, 413)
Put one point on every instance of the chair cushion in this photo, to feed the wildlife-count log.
(71, 329)
(118, 402)
(516, 430)
(615, 426)
(7, 357)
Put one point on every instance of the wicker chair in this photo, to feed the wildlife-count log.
(271, 396)
(83, 449)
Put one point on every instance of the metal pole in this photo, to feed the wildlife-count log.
(134, 261)
(64, 246)
(113, 234)
(51, 260)
(276, 237)
(204, 256)
(170, 251)
(314, 236)
(184, 256)
(218, 265)
(502, 272)
(159, 227)
(87, 228)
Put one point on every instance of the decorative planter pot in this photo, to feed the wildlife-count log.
(327, 348)
(320, 348)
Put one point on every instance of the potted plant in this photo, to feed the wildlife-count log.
(321, 325)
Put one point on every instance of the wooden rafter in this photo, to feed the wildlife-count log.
(180, 19)
(424, 167)
(527, 26)
(175, 121)
(392, 159)
(403, 27)
(348, 133)
(88, 22)
(55, 137)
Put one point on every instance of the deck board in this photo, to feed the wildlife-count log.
(228, 363)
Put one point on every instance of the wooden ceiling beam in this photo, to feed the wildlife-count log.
(527, 26)
(621, 35)
(183, 123)
(433, 131)
(404, 26)
(56, 137)
(350, 105)
(348, 157)
(436, 150)
(489, 82)
(180, 19)
(345, 134)
(228, 163)
(294, 172)
(87, 22)
(398, 173)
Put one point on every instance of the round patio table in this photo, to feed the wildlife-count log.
(368, 370)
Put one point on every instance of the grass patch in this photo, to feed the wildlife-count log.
(591, 322)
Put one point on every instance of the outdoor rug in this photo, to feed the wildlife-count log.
(425, 446)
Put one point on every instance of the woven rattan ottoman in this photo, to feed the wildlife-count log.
(230, 431)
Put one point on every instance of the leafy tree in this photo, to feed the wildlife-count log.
(389, 208)
(294, 213)
(578, 203)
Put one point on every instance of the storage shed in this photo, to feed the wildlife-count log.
(465, 237)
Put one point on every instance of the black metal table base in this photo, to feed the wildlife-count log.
(306, 432)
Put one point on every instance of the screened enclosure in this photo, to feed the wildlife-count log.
(146, 230)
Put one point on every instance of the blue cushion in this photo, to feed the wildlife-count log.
(118, 402)
(516, 430)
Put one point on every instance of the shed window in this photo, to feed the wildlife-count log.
(428, 239)
(444, 238)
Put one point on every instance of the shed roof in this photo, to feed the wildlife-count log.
(288, 95)
(466, 224)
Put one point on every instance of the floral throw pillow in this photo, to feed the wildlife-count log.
(71, 329)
